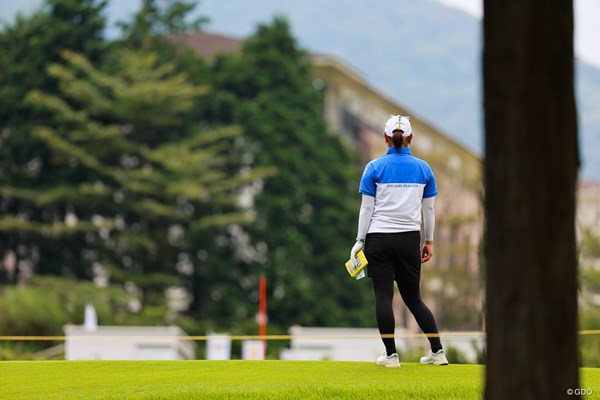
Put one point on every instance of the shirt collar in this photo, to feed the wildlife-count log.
(401, 150)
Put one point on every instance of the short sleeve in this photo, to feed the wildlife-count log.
(367, 182)
(430, 186)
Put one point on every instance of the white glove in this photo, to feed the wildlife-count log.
(358, 246)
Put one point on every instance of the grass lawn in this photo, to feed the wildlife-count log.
(258, 380)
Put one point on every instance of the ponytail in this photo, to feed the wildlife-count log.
(397, 139)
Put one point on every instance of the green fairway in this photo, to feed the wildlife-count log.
(242, 379)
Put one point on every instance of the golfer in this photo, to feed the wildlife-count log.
(396, 190)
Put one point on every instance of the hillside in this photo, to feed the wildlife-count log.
(422, 53)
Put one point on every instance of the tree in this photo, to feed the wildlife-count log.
(153, 27)
(134, 183)
(531, 162)
(306, 214)
(27, 48)
(157, 19)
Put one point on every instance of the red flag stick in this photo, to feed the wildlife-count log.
(263, 313)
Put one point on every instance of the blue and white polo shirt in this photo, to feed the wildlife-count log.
(399, 182)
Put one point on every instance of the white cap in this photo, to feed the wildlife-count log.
(398, 122)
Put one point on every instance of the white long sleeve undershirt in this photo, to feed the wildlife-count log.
(428, 218)
(364, 216)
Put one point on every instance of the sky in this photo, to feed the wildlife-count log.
(587, 29)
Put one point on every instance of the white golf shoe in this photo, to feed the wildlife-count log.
(392, 361)
(438, 358)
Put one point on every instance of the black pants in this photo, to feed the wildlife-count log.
(395, 257)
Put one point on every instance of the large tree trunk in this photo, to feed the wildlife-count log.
(531, 162)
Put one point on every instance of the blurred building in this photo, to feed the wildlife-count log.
(361, 344)
(588, 235)
(336, 344)
(127, 343)
(357, 111)
(588, 207)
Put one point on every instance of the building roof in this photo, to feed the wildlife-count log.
(208, 45)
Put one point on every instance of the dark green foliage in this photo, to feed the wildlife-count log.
(27, 48)
(157, 19)
(138, 181)
(306, 215)
(153, 27)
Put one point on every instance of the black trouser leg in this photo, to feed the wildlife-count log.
(383, 287)
(411, 294)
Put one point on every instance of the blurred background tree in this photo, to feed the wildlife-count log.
(307, 214)
(28, 47)
(106, 171)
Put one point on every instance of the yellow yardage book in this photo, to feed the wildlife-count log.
(354, 270)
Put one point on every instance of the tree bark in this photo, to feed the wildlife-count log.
(531, 163)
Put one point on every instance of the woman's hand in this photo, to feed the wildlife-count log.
(358, 246)
(427, 251)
